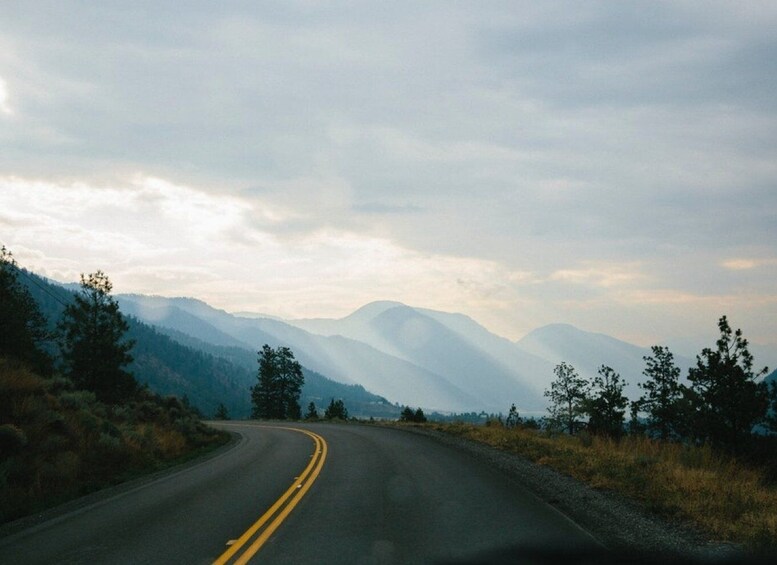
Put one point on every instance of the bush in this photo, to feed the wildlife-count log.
(410, 415)
(77, 399)
(58, 443)
(12, 439)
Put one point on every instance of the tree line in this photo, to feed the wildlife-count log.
(723, 401)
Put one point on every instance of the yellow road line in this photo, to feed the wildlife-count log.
(300, 486)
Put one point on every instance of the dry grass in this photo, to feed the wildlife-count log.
(731, 501)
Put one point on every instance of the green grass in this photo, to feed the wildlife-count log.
(728, 499)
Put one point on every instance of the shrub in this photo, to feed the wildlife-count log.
(12, 439)
(77, 399)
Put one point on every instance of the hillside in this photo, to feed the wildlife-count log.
(342, 359)
(317, 388)
(58, 443)
(383, 353)
(439, 360)
(206, 375)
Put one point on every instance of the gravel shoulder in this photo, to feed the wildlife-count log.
(618, 523)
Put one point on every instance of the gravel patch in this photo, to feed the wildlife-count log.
(618, 523)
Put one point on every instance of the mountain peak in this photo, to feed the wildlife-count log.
(374, 309)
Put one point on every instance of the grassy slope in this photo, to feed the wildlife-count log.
(57, 443)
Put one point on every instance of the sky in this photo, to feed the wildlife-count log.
(612, 165)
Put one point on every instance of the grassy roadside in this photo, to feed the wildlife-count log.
(729, 500)
(57, 444)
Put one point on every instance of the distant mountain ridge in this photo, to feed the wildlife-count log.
(209, 371)
(398, 354)
(415, 356)
(344, 360)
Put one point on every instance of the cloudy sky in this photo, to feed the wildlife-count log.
(608, 164)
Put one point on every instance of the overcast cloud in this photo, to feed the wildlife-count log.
(606, 164)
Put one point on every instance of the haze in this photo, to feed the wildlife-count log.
(610, 165)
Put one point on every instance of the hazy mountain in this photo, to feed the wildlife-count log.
(165, 314)
(317, 388)
(383, 352)
(160, 362)
(458, 347)
(587, 351)
(344, 360)
(489, 367)
(210, 368)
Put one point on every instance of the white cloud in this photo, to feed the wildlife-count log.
(743, 264)
(602, 275)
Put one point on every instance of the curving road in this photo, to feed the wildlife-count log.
(382, 496)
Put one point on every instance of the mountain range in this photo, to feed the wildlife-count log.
(411, 356)
(203, 372)
(381, 356)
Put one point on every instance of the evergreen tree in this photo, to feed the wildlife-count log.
(94, 351)
(276, 394)
(771, 415)
(410, 415)
(607, 407)
(636, 427)
(725, 399)
(336, 410)
(312, 413)
(23, 325)
(567, 395)
(513, 418)
(662, 393)
(221, 412)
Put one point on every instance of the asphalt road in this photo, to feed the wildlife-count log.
(382, 496)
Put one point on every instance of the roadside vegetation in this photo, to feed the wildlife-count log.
(76, 420)
(58, 442)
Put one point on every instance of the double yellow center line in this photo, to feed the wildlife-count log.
(279, 510)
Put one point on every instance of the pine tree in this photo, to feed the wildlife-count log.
(280, 379)
(567, 395)
(312, 413)
(662, 393)
(23, 325)
(221, 412)
(336, 410)
(92, 342)
(607, 407)
(513, 418)
(724, 397)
